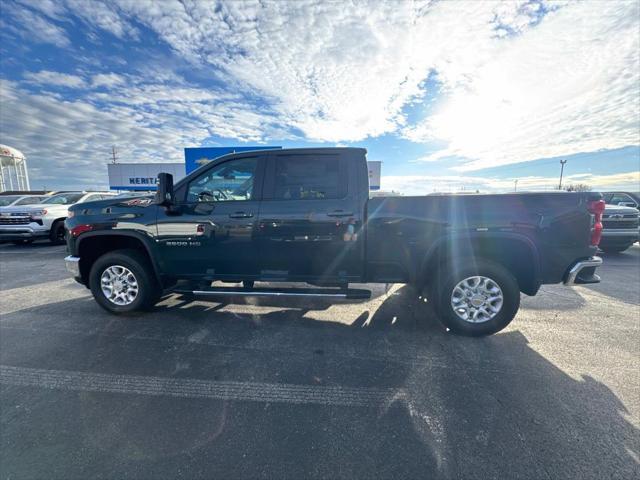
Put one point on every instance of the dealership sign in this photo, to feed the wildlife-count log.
(374, 167)
(143, 180)
(141, 176)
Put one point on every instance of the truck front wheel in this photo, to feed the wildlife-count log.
(123, 281)
(478, 298)
(56, 235)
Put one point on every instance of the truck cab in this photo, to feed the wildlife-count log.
(274, 215)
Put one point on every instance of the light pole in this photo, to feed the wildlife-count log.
(515, 185)
(562, 162)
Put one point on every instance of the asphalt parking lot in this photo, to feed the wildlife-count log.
(311, 390)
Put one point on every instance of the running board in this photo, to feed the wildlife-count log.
(347, 294)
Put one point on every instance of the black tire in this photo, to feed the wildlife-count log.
(448, 277)
(22, 242)
(614, 248)
(149, 290)
(57, 233)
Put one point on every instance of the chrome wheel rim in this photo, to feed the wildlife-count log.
(119, 285)
(477, 299)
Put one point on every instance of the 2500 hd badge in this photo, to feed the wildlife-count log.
(181, 243)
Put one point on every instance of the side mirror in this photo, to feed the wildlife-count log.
(165, 195)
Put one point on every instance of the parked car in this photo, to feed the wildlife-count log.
(620, 228)
(304, 215)
(623, 199)
(26, 223)
(17, 200)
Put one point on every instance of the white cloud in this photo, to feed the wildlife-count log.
(515, 84)
(569, 85)
(102, 15)
(50, 8)
(425, 184)
(48, 78)
(70, 140)
(335, 71)
(30, 25)
(107, 80)
(519, 86)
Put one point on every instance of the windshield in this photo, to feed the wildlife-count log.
(63, 199)
(8, 200)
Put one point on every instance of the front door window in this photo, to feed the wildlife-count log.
(229, 181)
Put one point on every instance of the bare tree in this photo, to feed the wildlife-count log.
(578, 187)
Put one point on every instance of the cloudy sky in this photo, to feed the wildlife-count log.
(449, 95)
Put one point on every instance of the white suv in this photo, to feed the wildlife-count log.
(26, 223)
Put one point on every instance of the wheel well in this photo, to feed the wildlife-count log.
(92, 248)
(513, 254)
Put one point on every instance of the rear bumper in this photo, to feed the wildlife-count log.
(583, 272)
(73, 266)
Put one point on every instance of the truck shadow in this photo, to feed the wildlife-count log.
(455, 408)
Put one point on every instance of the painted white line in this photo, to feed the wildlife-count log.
(192, 388)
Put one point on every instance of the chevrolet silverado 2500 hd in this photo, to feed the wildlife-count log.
(304, 215)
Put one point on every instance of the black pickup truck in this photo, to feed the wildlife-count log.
(304, 215)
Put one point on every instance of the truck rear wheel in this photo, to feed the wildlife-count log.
(123, 281)
(478, 298)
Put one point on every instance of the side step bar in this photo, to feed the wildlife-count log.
(346, 294)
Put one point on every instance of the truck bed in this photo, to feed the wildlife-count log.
(407, 234)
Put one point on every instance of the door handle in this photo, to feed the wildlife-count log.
(240, 215)
(340, 213)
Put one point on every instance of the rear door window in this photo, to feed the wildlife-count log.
(308, 177)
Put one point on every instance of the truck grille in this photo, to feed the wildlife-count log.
(15, 220)
(614, 221)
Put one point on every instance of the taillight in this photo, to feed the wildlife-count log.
(78, 229)
(596, 208)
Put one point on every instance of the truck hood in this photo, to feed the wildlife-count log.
(33, 207)
(614, 209)
(122, 202)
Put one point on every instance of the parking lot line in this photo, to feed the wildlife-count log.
(192, 388)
